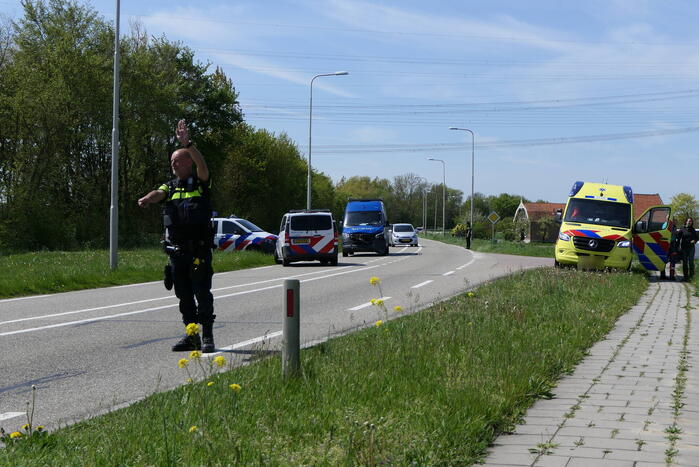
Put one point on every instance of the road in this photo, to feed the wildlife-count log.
(90, 351)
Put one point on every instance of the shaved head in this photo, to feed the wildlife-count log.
(181, 163)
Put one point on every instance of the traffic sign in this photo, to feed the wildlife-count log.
(493, 217)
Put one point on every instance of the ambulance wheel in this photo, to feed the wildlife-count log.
(285, 262)
(333, 261)
(344, 254)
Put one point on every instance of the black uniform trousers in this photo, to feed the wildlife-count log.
(192, 279)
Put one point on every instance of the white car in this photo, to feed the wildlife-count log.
(235, 234)
(403, 234)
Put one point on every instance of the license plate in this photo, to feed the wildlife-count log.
(405, 240)
(301, 241)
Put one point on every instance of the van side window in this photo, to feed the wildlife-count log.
(281, 226)
(231, 228)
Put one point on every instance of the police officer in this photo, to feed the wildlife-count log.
(688, 238)
(189, 238)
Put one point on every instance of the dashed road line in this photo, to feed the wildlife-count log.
(246, 343)
(365, 305)
(449, 273)
(9, 415)
(417, 286)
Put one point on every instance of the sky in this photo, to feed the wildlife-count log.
(554, 92)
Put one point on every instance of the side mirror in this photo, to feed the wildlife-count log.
(641, 227)
(558, 217)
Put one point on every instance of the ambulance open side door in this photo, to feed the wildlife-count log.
(651, 237)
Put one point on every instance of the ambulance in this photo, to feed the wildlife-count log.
(599, 229)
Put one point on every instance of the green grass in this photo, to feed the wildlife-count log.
(430, 388)
(61, 271)
(544, 250)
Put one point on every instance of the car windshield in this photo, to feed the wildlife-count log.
(403, 228)
(249, 225)
(592, 211)
(363, 218)
(311, 222)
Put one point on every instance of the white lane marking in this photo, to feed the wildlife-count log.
(365, 305)
(137, 302)
(9, 415)
(118, 315)
(449, 273)
(239, 345)
(467, 264)
(417, 286)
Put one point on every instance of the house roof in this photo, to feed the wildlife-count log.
(538, 210)
(641, 202)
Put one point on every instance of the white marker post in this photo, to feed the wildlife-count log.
(291, 349)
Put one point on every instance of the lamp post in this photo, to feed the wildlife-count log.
(424, 204)
(310, 125)
(114, 208)
(444, 190)
(473, 158)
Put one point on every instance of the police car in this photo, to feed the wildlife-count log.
(307, 235)
(235, 234)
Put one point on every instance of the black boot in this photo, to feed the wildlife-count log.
(187, 343)
(208, 338)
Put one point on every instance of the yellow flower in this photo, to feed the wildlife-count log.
(398, 308)
(189, 380)
(40, 428)
(235, 387)
(372, 301)
(15, 434)
(220, 361)
(195, 354)
(192, 329)
(193, 428)
(374, 280)
(378, 302)
(25, 426)
(210, 383)
(471, 294)
(182, 362)
(379, 323)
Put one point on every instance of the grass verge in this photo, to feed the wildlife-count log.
(542, 250)
(430, 388)
(62, 271)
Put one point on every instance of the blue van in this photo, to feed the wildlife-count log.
(365, 227)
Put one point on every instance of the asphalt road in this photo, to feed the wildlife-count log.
(90, 351)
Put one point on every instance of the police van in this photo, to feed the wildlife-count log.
(307, 235)
(598, 229)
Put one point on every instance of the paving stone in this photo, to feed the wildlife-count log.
(552, 461)
(582, 462)
(510, 459)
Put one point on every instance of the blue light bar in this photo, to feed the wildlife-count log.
(576, 187)
(629, 193)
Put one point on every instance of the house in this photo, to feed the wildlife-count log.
(537, 220)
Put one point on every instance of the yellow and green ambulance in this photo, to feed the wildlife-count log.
(600, 230)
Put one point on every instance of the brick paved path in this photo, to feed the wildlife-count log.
(633, 402)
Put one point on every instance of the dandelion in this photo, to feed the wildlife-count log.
(40, 428)
(398, 308)
(372, 301)
(15, 434)
(182, 362)
(471, 294)
(235, 387)
(210, 383)
(220, 361)
(379, 323)
(189, 380)
(378, 302)
(193, 428)
(374, 280)
(195, 354)
(192, 329)
(25, 427)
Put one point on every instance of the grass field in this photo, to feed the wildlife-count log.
(61, 271)
(428, 388)
(544, 250)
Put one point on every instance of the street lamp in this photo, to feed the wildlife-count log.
(444, 190)
(114, 207)
(424, 203)
(473, 158)
(310, 125)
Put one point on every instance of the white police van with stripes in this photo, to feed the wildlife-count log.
(307, 235)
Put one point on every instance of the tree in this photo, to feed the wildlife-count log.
(684, 205)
